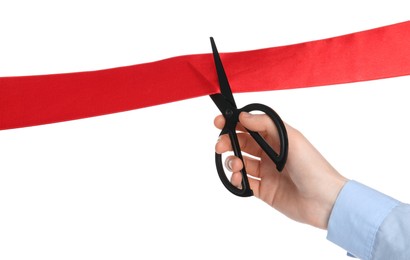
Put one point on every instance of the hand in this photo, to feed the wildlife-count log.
(305, 190)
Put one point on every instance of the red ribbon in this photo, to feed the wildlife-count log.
(373, 54)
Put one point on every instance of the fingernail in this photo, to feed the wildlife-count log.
(219, 139)
(228, 164)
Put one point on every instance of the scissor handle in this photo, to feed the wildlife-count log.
(245, 190)
(278, 158)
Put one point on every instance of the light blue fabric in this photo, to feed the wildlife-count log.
(361, 221)
(393, 239)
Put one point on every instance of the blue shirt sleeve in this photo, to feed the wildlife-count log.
(393, 238)
(357, 215)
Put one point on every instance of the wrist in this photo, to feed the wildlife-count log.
(334, 187)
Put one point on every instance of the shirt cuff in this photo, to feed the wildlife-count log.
(356, 217)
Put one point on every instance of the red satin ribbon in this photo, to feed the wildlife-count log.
(373, 54)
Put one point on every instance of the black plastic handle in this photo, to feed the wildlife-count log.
(245, 190)
(230, 128)
(278, 159)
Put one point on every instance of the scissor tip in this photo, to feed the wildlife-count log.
(212, 42)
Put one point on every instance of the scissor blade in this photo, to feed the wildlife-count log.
(222, 78)
(221, 102)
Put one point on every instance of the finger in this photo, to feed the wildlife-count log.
(252, 166)
(219, 123)
(261, 123)
(223, 144)
(264, 125)
(246, 143)
(233, 164)
(236, 180)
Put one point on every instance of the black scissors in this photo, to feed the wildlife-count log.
(226, 104)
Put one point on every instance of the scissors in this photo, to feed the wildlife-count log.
(226, 104)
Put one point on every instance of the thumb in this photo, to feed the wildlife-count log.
(258, 123)
(265, 126)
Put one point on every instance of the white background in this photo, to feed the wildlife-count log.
(142, 184)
